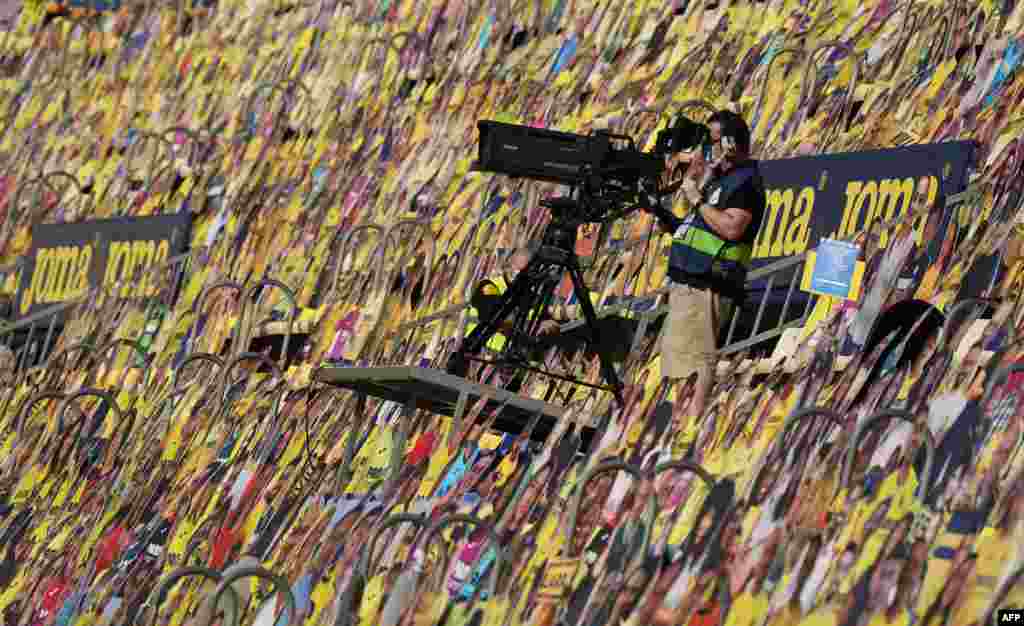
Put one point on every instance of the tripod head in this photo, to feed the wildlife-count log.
(597, 198)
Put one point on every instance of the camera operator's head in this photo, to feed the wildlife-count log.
(730, 139)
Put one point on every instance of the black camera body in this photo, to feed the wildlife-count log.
(559, 157)
(613, 176)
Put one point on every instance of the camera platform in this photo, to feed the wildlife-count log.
(441, 393)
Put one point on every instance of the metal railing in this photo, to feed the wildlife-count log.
(43, 329)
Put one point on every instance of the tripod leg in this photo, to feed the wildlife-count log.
(583, 296)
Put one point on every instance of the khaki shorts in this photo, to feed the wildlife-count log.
(688, 343)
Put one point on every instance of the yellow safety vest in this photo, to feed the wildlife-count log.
(497, 341)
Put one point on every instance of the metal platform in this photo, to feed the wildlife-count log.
(438, 392)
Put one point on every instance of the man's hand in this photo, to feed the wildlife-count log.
(691, 192)
(697, 176)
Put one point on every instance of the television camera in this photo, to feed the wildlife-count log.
(609, 178)
(607, 170)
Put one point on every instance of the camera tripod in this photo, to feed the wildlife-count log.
(530, 294)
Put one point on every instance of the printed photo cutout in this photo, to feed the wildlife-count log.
(649, 450)
(816, 377)
(617, 546)
(681, 494)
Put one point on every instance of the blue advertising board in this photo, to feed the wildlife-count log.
(67, 260)
(836, 195)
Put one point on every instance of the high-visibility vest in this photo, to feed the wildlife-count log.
(497, 341)
(701, 258)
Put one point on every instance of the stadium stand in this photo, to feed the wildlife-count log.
(168, 455)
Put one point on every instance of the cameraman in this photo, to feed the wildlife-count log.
(711, 250)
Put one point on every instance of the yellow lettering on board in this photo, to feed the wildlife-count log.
(38, 273)
(790, 212)
(44, 259)
(68, 272)
(51, 288)
(127, 271)
(80, 280)
(787, 222)
(116, 251)
(798, 233)
(885, 200)
(163, 251)
(921, 219)
(56, 276)
(849, 221)
(894, 201)
(53, 272)
(869, 196)
(143, 253)
(774, 201)
(781, 203)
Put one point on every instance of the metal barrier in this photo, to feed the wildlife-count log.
(791, 267)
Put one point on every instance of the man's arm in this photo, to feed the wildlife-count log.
(729, 224)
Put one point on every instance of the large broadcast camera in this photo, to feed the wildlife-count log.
(609, 178)
(611, 174)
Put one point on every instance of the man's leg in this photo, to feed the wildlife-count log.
(688, 344)
(719, 313)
